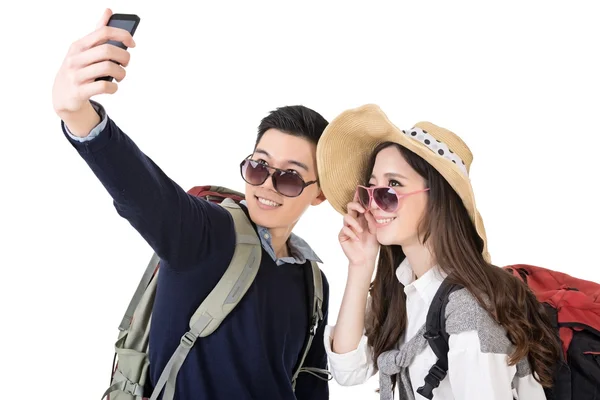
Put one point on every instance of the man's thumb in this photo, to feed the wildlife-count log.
(105, 17)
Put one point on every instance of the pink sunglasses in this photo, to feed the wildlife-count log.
(386, 198)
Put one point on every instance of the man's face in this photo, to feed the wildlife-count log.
(269, 208)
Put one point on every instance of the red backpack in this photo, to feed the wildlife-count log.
(573, 306)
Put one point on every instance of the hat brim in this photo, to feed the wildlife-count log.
(346, 146)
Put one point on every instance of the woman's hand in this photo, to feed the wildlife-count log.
(358, 237)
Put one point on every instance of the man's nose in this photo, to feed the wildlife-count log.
(268, 183)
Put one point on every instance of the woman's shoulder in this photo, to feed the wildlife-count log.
(466, 317)
(465, 314)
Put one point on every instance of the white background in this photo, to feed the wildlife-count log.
(517, 80)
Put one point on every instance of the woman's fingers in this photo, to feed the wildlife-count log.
(352, 222)
(371, 224)
(347, 233)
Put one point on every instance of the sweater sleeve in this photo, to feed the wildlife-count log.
(180, 228)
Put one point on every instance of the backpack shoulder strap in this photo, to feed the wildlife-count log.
(236, 280)
(317, 298)
(208, 192)
(230, 289)
(314, 285)
(437, 337)
(133, 337)
(139, 292)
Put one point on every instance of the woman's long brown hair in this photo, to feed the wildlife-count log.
(457, 247)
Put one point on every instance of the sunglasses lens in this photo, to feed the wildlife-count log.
(254, 172)
(363, 197)
(386, 199)
(288, 183)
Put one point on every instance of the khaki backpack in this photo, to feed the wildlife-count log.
(131, 365)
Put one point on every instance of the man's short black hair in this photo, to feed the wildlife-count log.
(294, 120)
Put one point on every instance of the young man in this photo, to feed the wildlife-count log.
(255, 350)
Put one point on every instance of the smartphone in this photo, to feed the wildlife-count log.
(129, 22)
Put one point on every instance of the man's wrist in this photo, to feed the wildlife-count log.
(82, 122)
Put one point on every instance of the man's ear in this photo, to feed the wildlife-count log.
(319, 199)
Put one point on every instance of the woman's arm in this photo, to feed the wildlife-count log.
(353, 367)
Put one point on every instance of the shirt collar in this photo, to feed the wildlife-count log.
(426, 286)
(300, 251)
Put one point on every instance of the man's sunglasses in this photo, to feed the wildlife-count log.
(386, 198)
(286, 183)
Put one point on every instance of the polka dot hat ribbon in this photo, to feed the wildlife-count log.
(436, 146)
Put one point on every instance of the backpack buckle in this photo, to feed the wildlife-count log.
(188, 339)
(437, 373)
(133, 388)
(432, 381)
(314, 325)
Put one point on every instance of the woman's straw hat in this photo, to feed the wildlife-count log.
(349, 140)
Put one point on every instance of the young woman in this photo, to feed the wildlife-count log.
(406, 195)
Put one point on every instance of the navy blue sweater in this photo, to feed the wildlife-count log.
(253, 353)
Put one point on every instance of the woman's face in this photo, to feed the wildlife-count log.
(398, 227)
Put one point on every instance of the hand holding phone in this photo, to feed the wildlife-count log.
(128, 22)
(89, 58)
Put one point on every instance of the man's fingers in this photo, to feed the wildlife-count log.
(103, 68)
(91, 89)
(103, 35)
(105, 18)
(105, 52)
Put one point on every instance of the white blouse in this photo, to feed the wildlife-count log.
(472, 373)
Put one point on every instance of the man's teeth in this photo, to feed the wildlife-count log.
(385, 221)
(268, 202)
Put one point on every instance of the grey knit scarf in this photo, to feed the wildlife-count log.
(396, 362)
